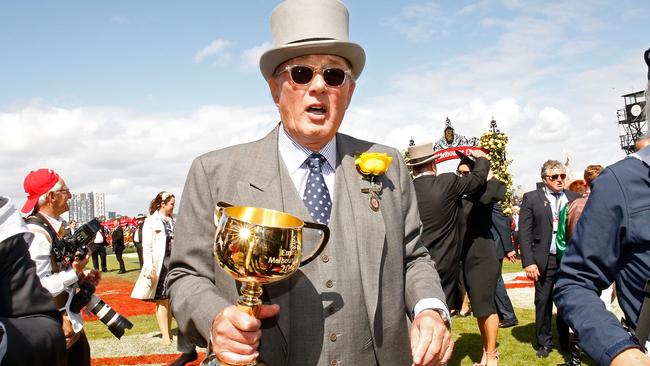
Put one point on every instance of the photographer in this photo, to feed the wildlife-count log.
(47, 199)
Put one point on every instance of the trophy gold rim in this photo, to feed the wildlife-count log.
(264, 217)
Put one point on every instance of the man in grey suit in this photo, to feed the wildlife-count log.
(349, 306)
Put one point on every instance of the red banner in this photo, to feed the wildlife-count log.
(450, 153)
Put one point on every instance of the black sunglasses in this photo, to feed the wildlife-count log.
(556, 176)
(462, 173)
(303, 74)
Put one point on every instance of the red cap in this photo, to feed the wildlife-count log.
(36, 184)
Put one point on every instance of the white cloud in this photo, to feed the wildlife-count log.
(418, 22)
(552, 125)
(127, 155)
(214, 48)
(251, 57)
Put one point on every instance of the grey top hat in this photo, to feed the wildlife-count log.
(308, 27)
(421, 154)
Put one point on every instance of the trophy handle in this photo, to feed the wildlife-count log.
(323, 240)
(217, 212)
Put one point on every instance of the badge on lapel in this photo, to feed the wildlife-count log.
(371, 166)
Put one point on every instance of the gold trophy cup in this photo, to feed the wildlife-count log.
(258, 246)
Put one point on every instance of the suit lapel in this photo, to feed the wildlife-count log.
(547, 205)
(264, 188)
(370, 234)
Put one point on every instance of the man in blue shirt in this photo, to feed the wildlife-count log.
(611, 243)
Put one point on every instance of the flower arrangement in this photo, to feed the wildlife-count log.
(495, 142)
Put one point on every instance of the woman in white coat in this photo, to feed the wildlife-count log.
(157, 241)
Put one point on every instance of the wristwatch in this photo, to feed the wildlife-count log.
(445, 318)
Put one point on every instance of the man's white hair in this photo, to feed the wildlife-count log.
(41, 199)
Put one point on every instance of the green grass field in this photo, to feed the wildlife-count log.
(515, 344)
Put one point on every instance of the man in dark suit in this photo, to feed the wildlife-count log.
(30, 324)
(538, 223)
(99, 249)
(137, 237)
(441, 212)
(118, 245)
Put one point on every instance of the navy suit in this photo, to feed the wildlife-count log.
(611, 243)
(535, 235)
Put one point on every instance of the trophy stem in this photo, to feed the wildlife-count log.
(249, 302)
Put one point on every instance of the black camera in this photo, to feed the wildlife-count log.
(115, 322)
(76, 246)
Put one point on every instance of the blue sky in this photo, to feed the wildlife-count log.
(120, 96)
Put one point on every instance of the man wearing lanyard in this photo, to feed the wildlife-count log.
(538, 223)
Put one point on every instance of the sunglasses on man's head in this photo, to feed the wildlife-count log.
(556, 176)
(303, 74)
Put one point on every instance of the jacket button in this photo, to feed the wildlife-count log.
(334, 363)
(329, 284)
(325, 258)
(333, 337)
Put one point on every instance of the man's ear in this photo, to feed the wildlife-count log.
(274, 86)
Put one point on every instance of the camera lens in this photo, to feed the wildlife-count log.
(115, 322)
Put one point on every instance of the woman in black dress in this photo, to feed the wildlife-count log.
(480, 263)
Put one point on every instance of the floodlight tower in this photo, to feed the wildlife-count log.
(632, 120)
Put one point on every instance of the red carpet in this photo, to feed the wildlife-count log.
(117, 293)
(141, 360)
(520, 282)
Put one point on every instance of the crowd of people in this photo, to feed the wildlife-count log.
(406, 244)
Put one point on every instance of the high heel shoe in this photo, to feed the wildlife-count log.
(494, 354)
(483, 357)
(464, 314)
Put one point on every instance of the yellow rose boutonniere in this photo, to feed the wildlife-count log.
(371, 165)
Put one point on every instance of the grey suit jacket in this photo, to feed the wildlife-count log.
(396, 270)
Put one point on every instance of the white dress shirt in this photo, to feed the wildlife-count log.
(65, 280)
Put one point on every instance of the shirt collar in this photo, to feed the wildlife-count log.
(56, 223)
(424, 174)
(294, 154)
(643, 154)
(550, 193)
